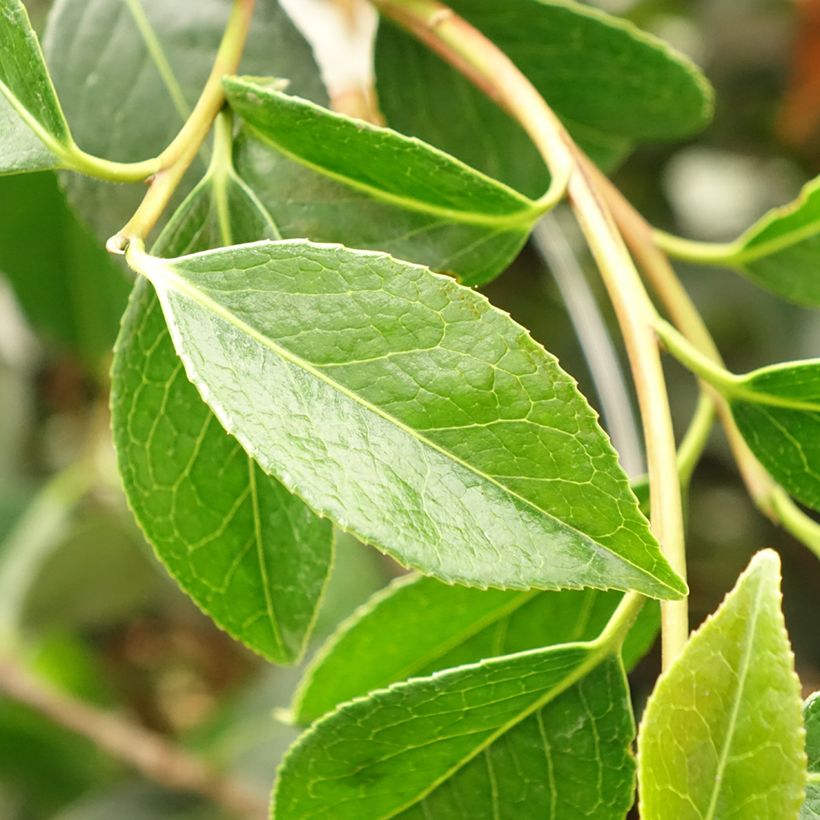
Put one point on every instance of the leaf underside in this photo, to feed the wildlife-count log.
(398, 403)
(721, 735)
(250, 554)
(331, 178)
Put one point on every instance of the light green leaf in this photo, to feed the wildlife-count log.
(411, 412)
(722, 733)
(608, 81)
(539, 734)
(428, 206)
(129, 73)
(69, 287)
(248, 552)
(777, 409)
(811, 718)
(33, 130)
(781, 251)
(418, 626)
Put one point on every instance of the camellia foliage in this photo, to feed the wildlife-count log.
(305, 350)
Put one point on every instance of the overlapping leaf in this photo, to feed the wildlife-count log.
(721, 735)
(128, 72)
(811, 717)
(418, 626)
(610, 82)
(33, 130)
(539, 734)
(411, 412)
(778, 412)
(252, 555)
(376, 188)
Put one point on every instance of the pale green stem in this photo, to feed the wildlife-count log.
(701, 253)
(697, 435)
(770, 498)
(177, 157)
(482, 62)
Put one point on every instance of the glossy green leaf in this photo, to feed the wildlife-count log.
(418, 626)
(722, 732)
(33, 130)
(778, 412)
(779, 252)
(247, 551)
(539, 734)
(69, 287)
(392, 192)
(608, 81)
(411, 412)
(811, 717)
(129, 71)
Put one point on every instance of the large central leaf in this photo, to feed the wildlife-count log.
(410, 411)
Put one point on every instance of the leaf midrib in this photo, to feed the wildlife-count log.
(751, 627)
(155, 268)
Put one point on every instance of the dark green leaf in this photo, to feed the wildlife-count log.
(410, 411)
(33, 130)
(721, 735)
(246, 550)
(129, 71)
(609, 82)
(811, 718)
(418, 626)
(778, 412)
(377, 188)
(539, 734)
(68, 287)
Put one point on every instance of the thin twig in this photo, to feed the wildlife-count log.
(149, 753)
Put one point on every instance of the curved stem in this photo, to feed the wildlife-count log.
(78, 160)
(480, 60)
(767, 495)
(690, 250)
(177, 157)
(697, 435)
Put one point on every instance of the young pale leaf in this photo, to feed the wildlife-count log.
(33, 130)
(454, 218)
(780, 251)
(252, 555)
(432, 626)
(129, 73)
(608, 81)
(811, 718)
(722, 732)
(539, 734)
(411, 412)
(778, 412)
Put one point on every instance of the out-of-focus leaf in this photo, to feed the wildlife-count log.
(68, 287)
(610, 82)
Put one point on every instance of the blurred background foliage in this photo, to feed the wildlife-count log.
(81, 593)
